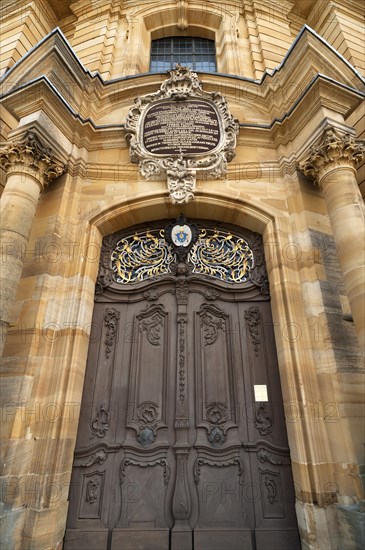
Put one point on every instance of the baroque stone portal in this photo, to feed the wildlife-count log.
(180, 131)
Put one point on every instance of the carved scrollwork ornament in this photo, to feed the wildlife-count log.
(333, 150)
(272, 489)
(196, 250)
(100, 423)
(263, 422)
(99, 457)
(223, 256)
(111, 319)
(265, 456)
(217, 415)
(105, 276)
(253, 322)
(29, 155)
(213, 323)
(152, 326)
(212, 139)
(92, 491)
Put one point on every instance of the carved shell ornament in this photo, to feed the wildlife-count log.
(181, 132)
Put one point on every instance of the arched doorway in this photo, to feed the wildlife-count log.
(182, 441)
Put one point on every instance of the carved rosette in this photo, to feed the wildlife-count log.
(334, 150)
(29, 155)
(181, 169)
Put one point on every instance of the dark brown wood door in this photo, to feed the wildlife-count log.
(178, 446)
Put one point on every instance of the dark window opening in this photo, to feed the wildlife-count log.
(196, 53)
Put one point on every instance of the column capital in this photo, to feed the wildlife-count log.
(29, 155)
(333, 151)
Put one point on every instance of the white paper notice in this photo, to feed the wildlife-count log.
(260, 393)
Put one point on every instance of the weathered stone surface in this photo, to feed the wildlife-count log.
(352, 525)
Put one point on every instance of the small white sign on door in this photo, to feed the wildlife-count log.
(260, 393)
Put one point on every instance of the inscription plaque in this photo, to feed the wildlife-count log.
(187, 127)
(181, 132)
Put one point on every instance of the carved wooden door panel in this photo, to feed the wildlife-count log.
(244, 496)
(179, 447)
(121, 486)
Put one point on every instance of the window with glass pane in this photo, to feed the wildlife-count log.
(196, 53)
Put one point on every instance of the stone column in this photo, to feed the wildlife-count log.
(30, 167)
(332, 163)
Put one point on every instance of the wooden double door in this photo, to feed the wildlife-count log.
(178, 445)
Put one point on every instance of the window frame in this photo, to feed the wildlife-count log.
(174, 56)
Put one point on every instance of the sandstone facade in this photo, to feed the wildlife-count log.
(291, 72)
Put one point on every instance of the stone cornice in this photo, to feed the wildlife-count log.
(334, 150)
(275, 93)
(29, 155)
(80, 104)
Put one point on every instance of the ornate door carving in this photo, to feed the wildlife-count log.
(177, 448)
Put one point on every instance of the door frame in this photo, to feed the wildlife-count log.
(255, 291)
(286, 305)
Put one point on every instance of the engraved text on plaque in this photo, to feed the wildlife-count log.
(181, 127)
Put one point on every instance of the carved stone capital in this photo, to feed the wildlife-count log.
(29, 155)
(334, 150)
